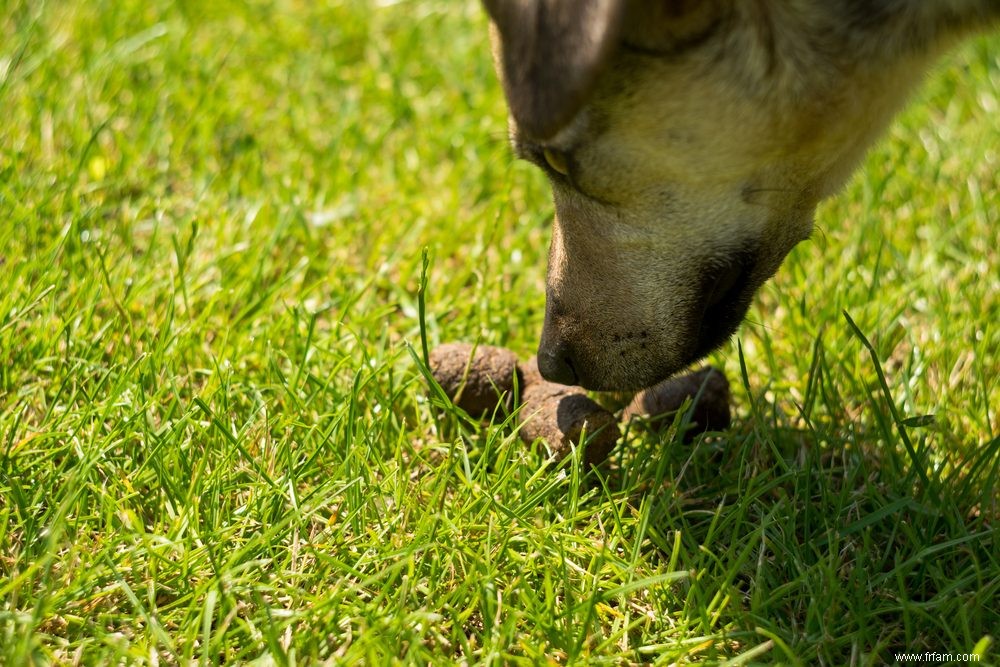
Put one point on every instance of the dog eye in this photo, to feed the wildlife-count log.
(557, 160)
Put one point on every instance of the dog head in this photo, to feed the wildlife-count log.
(687, 143)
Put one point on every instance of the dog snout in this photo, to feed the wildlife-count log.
(557, 361)
(559, 358)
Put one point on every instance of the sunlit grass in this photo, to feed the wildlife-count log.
(215, 443)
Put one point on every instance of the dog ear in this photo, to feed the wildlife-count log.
(550, 52)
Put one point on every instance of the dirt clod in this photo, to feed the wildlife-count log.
(476, 379)
(659, 403)
(560, 415)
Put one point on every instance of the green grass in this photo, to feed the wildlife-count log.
(216, 444)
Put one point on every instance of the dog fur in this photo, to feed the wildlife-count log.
(688, 143)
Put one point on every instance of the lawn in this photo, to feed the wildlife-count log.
(217, 444)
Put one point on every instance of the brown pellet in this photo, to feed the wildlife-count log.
(659, 403)
(477, 380)
(562, 415)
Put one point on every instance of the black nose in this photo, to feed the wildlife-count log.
(557, 363)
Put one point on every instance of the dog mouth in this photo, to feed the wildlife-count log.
(728, 292)
(724, 295)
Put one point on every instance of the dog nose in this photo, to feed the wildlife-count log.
(557, 363)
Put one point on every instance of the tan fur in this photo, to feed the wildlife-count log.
(707, 138)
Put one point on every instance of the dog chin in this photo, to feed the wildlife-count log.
(636, 377)
(713, 330)
(631, 377)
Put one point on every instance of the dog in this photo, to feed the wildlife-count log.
(688, 143)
